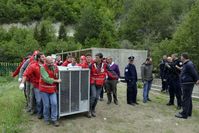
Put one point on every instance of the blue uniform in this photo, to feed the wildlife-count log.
(162, 76)
(131, 79)
(188, 77)
(174, 83)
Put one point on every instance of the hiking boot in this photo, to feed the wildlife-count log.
(55, 123)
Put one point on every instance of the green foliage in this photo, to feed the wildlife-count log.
(152, 21)
(96, 26)
(16, 43)
(60, 45)
(186, 37)
(12, 103)
(35, 10)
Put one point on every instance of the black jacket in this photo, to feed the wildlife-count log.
(189, 73)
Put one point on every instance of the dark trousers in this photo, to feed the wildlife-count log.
(131, 92)
(187, 90)
(111, 87)
(102, 93)
(164, 85)
(175, 90)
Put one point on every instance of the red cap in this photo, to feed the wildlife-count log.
(35, 52)
(83, 57)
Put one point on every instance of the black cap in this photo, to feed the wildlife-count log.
(131, 57)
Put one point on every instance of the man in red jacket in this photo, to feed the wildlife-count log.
(67, 61)
(33, 73)
(98, 71)
(16, 72)
(48, 88)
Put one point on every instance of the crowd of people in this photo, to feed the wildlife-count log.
(38, 77)
(178, 78)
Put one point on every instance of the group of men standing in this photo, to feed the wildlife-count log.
(38, 76)
(178, 77)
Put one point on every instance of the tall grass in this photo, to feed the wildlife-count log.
(11, 106)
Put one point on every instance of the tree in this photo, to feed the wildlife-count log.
(62, 32)
(151, 21)
(96, 26)
(47, 33)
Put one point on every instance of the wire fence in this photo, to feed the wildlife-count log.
(6, 68)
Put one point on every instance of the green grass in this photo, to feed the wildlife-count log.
(12, 104)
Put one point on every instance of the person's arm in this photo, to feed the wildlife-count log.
(142, 72)
(23, 68)
(45, 76)
(117, 70)
(193, 72)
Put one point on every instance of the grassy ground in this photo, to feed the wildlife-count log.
(11, 106)
(152, 117)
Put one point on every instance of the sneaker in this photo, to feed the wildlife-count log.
(178, 107)
(28, 110)
(144, 101)
(33, 112)
(47, 122)
(93, 113)
(89, 114)
(55, 123)
(108, 102)
(132, 104)
(101, 99)
(116, 102)
(149, 99)
(169, 104)
(179, 115)
(39, 116)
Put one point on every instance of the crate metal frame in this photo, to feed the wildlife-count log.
(85, 109)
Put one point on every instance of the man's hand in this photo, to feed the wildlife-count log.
(57, 80)
(197, 82)
(21, 86)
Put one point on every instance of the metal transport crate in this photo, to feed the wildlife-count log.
(74, 91)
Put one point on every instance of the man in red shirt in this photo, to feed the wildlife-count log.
(33, 73)
(67, 61)
(48, 88)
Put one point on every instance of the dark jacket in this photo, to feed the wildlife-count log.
(171, 72)
(146, 72)
(130, 73)
(189, 73)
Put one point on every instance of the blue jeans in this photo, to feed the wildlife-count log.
(39, 105)
(94, 96)
(146, 89)
(50, 106)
